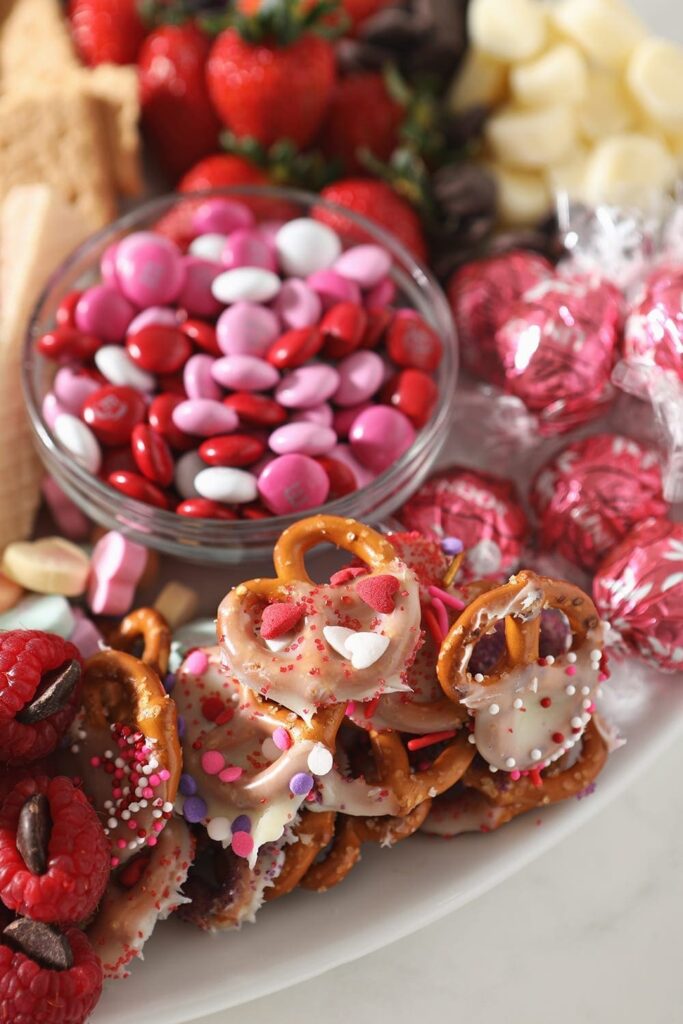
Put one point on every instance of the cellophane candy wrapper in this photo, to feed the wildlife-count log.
(481, 294)
(558, 348)
(590, 495)
(638, 589)
(640, 250)
(480, 510)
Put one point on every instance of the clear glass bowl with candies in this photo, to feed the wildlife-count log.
(205, 370)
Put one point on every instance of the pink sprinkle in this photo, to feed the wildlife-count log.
(158, 826)
(148, 793)
(242, 844)
(132, 824)
(95, 762)
(121, 843)
(154, 780)
(602, 677)
(281, 738)
(231, 773)
(164, 775)
(152, 841)
(350, 709)
(591, 708)
(196, 662)
(515, 775)
(213, 762)
(442, 595)
(441, 614)
(570, 670)
(115, 862)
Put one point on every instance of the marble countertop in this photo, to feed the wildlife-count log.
(589, 932)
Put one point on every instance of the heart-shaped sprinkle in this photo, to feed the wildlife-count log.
(366, 648)
(336, 637)
(378, 592)
(349, 573)
(280, 618)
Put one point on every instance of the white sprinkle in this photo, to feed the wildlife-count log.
(125, 815)
(596, 655)
(510, 762)
(571, 657)
(494, 709)
(119, 762)
(493, 769)
(108, 804)
(132, 845)
(106, 831)
(535, 754)
(108, 754)
(585, 690)
(320, 760)
(143, 804)
(586, 704)
(147, 769)
(550, 660)
(219, 829)
(479, 678)
(75, 748)
(518, 703)
(570, 690)
(168, 807)
(112, 823)
(471, 739)
(599, 692)
(534, 685)
(134, 807)
(576, 722)
(157, 814)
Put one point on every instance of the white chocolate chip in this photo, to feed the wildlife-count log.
(481, 81)
(532, 138)
(628, 169)
(605, 30)
(654, 75)
(558, 76)
(510, 30)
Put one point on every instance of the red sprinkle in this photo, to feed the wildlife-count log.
(545, 702)
(279, 618)
(557, 737)
(427, 741)
(379, 592)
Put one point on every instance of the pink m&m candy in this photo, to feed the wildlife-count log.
(247, 247)
(321, 414)
(198, 379)
(304, 438)
(367, 265)
(360, 375)
(195, 295)
(204, 417)
(164, 316)
(221, 216)
(244, 373)
(380, 436)
(297, 304)
(293, 483)
(246, 329)
(72, 388)
(307, 386)
(102, 310)
(149, 268)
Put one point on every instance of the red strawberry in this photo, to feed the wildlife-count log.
(223, 170)
(362, 115)
(272, 77)
(378, 202)
(106, 31)
(176, 109)
(359, 11)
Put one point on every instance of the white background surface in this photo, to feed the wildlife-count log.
(588, 934)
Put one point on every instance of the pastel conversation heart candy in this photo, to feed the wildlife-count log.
(117, 565)
(50, 565)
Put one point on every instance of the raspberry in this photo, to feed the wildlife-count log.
(26, 658)
(77, 849)
(33, 994)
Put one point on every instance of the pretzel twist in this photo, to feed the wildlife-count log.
(151, 626)
(410, 787)
(313, 833)
(350, 834)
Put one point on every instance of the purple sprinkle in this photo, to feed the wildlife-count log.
(242, 823)
(187, 785)
(301, 784)
(452, 546)
(169, 682)
(181, 726)
(194, 809)
(590, 788)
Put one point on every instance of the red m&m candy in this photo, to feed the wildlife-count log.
(231, 450)
(152, 455)
(256, 409)
(112, 412)
(137, 487)
(159, 348)
(160, 417)
(412, 342)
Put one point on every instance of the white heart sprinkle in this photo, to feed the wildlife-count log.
(279, 643)
(336, 637)
(366, 648)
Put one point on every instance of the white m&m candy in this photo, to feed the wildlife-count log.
(305, 246)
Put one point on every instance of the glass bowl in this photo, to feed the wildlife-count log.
(209, 540)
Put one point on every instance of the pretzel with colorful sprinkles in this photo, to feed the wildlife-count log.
(527, 710)
(126, 742)
(151, 627)
(308, 645)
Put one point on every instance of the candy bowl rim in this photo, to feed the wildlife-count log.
(229, 542)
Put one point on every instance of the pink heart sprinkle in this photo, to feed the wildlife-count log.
(378, 592)
(280, 618)
(344, 575)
